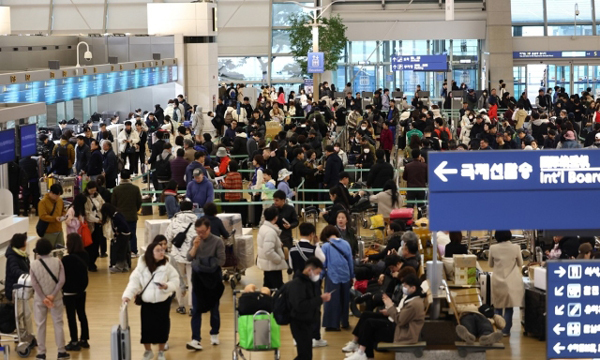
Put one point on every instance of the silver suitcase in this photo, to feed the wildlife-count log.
(120, 338)
(361, 249)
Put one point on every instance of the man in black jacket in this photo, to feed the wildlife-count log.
(380, 172)
(30, 167)
(82, 155)
(58, 130)
(305, 299)
(344, 182)
(94, 166)
(288, 219)
(109, 165)
(333, 168)
(299, 170)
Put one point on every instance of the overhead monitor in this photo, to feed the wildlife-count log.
(27, 140)
(7, 146)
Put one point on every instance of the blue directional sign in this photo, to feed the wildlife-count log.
(316, 62)
(420, 62)
(573, 313)
(487, 190)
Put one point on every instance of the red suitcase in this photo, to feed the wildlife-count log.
(404, 214)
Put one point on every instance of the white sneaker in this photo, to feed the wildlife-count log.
(350, 346)
(193, 345)
(166, 346)
(161, 355)
(148, 355)
(295, 343)
(319, 343)
(214, 340)
(357, 356)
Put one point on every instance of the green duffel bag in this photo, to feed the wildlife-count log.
(254, 332)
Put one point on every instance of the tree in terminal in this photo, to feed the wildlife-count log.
(332, 39)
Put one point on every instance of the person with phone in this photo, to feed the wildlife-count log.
(288, 218)
(51, 209)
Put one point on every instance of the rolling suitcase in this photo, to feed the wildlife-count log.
(485, 284)
(146, 210)
(534, 322)
(120, 338)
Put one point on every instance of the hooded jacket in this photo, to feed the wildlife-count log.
(270, 248)
(178, 224)
(164, 274)
(409, 317)
(16, 265)
(198, 121)
(240, 144)
(200, 193)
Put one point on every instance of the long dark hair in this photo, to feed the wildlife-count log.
(78, 205)
(108, 210)
(340, 197)
(391, 185)
(151, 263)
(168, 118)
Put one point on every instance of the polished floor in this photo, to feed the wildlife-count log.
(104, 300)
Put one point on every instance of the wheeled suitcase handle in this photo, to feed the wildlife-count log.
(123, 316)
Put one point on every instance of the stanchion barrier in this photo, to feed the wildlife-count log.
(236, 203)
(221, 191)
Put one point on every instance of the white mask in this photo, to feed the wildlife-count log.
(367, 151)
(363, 127)
(336, 149)
(314, 277)
(405, 291)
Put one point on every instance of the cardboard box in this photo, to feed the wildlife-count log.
(531, 272)
(465, 296)
(539, 281)
(465, 269)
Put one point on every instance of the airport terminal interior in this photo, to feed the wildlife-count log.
(337, 179)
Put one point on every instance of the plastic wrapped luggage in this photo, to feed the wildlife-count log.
(231, 222)
(273, 128)
(120, 338)
(244, 251)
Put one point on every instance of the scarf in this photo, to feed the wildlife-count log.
(20, 252)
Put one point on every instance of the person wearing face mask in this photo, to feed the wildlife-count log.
(366, 158)
(305, 298)
(465, 127)
(337, 147)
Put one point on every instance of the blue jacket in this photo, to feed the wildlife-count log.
(189, 171)
(339, 264)
(171, 205)
(200, 193)
(286, 189)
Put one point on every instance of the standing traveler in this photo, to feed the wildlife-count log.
(381, 172)
(82, 155)
(271, 258)
(17, 263)
(120, 252)
(305, 301)
(346, 232)
(340, 203)
(216, 225)
(200, 191)
(76, 214)
(128, 199)
(257, 183)
(207, 255)
(51, 209)
(287, 219)
(93, 216)
(94, 166)
(339, 272)
(31, 192)
(109, 165)
(128, 140)
(162, 174)
(76, 281)
(47, 279)
(178, 168)
(415, 174)
(508, 289)
(140, 148)
(70, 150)
(153, 281)
(333, 168)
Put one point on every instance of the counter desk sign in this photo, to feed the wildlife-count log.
(573, 309)
(499, 180)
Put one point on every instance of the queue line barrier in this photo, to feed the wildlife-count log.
(238, 203)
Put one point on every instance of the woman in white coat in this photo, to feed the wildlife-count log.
(466, 124)
(271, 258)
(154, 279)
(182, 220)
(508, 289)
(197, 120)
(128, 139)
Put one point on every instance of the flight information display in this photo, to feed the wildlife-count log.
(7, 146)
(57, 90)
(28, 140)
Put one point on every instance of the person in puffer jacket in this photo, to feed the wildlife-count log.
(154, 280)
(178, 224)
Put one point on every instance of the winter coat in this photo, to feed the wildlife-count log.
(380, 173)
(333, 168)
(465, 130)
(240, 144)
(45, 207)
(200, 193)
(387, 139)
(384, 202)
(92, 210)
(270, 248)
(409, 320)
(128, 199)
(164, 274)
(133, 137)
(198, 121)
(16, 265)
(179, 223)
(506, 261)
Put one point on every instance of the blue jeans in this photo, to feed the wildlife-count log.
(335, 311)
(133, 239)
(215, 319)
(508, 317)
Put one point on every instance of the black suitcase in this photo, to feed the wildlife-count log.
(146, 210)
(534, 322)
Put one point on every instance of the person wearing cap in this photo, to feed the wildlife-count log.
(471, 99)
(57, 132)
(283, 178)
(585, 251)
(507, 286)
(596, 144)
(200, 191)
(224, 160)
(82, 155)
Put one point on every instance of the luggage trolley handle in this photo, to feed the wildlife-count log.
(254, 320)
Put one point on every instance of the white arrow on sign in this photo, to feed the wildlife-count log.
(558, 329)
(441, 172)
(559, 310)
(559, 291)
(557, 348)
(560, 272)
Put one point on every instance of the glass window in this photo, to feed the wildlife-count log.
(288, 87)
(281, 42)
(528, 31)
(527, 11)
(462, 47)
(284, 67)
(361, 50)
(414, 47)
(282, 12)
(249, 68)
(567, 30)
(339, 76)
(564, 11)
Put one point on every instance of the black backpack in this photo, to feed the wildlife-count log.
(444, 137)
(163, 168)
(281, 305)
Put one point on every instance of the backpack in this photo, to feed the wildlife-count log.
(281, 305)
(228, 117)
(444, 137)
(163, 168)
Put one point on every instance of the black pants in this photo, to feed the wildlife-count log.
(92, 250)
(258, 209)
(415, 195)
(75, 304)
(132, 161)
(31, 195)
(273, 279)
(477, 324)
(302, 333)
(373, 328)
(388, 155)
(158, 186)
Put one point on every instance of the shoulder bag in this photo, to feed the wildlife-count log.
(138, 298)
(179, 239)
(42, 225)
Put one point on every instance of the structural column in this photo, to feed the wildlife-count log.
(498, 47)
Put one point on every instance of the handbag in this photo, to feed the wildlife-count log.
(179, 239)
(138, 298)
(85, 233)
(42, 225)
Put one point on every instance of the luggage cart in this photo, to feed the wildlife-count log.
(67, 182)
(25, 341)
(261, 343)
(231, 270)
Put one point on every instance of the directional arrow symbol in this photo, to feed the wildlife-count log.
(560, 272)
(557, 348)
(559, 291)
(441, 171)
(559, 310)
(558, 329)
